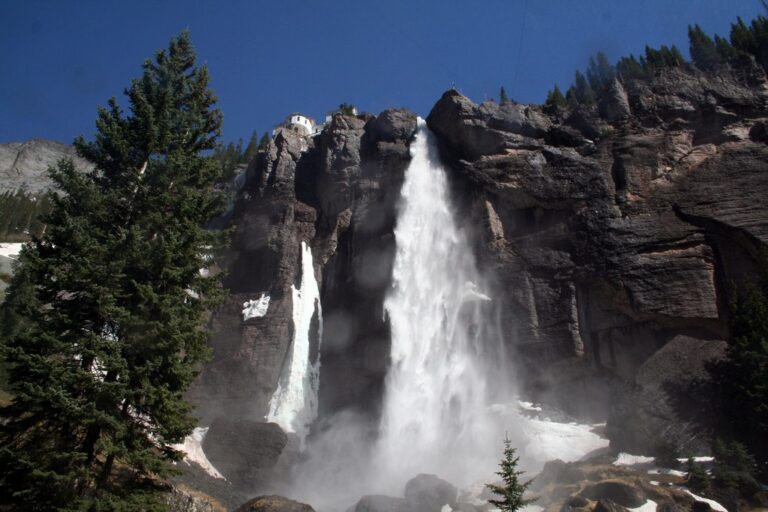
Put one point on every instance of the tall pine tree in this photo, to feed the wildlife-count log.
(102, 327)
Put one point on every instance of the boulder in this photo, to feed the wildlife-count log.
(559, 473)
(244, 451)
(701, 506)
(393, 125)
(575, 504)
(619, 492)
(668, 404)
(607, 505)
(428, 493)
(273, 504)
(184, 499)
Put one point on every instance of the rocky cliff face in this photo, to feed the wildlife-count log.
(23, 165)
(613, 235)
(616, 235)
(337, 193)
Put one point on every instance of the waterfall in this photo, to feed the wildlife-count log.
(436, 416)
(294, 403)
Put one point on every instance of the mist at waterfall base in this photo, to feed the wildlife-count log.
(449, 398)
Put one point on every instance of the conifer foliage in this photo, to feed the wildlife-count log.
(510, 494)
(743, 374)
(101, 330)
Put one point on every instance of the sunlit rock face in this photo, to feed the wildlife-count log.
(24, 165)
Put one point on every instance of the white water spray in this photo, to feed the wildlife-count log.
(436, 417)
(294, 404)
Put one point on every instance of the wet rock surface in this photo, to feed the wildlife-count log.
(274, 504)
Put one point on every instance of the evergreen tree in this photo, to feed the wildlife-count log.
(664, 57)
(697, 478)
(251, 149)
(734, 467)
(630, 68)
(503, 99)
(555, 98)
(347, 109)
(581, 90)
(264, 142)
(101, 328)
(511, 492)
(724, 48)
(600, 73)
(743, 374)
(704, 53)
(751, 39)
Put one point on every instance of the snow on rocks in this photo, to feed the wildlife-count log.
(664, 471)
(648, 506)
(626, 459)
(256, 308)
(193, 449)
(712, 503)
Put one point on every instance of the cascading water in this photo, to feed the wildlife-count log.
(447, 367)
(294, 404)
(436, 416)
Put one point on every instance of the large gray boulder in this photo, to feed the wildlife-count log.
(668, 405)
(428, 493)
(614, 491)
(245, 451)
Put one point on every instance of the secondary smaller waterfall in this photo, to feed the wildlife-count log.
(294, 404)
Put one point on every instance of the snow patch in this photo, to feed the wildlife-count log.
(663, 471)
(648, 506)
(193, 450)
(697, 459)
(528, 406)
(627, 459)
(10, 250)
(568, 442)
(256, 308)
(654, 482)
(712, 503)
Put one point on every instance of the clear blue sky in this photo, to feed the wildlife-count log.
(60, 59)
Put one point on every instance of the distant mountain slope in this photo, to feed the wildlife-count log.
(23, 165)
